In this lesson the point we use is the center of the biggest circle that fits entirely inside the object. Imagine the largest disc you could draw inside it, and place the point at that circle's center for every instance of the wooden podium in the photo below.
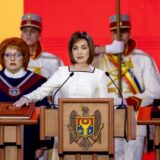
(125, 123)
(11, 136)
(85, 128)
(144, 118)
(57, 122)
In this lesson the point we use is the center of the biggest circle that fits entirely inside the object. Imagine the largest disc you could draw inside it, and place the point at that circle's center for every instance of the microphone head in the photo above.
(107, 74)
(71, 74)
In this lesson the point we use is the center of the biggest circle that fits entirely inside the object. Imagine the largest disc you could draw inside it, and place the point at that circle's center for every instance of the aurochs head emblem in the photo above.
(84, 126)
(85, 130)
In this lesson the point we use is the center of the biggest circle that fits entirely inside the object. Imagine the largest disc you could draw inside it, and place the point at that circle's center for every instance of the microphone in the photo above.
(122, 105)
(54, 105)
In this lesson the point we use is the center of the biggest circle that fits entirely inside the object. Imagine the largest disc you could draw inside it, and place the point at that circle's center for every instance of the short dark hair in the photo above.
(76, 37)
(20, 45)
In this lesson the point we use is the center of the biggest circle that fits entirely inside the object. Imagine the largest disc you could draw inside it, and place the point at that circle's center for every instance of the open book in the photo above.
(7, 111)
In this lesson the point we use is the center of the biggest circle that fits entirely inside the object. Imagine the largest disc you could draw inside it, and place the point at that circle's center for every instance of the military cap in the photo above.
(31, 20)
(124, 22)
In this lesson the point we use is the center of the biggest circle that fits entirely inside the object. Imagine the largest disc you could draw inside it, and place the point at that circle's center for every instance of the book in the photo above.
(134, 101)
(8, 111)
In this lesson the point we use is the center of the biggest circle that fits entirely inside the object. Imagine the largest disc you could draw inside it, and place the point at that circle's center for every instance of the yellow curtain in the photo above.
(10, 18)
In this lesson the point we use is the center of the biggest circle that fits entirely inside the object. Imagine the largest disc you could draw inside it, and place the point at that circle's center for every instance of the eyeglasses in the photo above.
(17, 55)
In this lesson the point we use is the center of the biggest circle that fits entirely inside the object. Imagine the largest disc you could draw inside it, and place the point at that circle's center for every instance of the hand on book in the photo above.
(11, 107)
(22, 101)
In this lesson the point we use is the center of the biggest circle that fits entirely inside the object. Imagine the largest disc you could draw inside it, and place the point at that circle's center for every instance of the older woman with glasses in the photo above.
(16, 81)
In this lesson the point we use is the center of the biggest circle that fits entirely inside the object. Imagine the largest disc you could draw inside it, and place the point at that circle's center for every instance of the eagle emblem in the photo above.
(85, 129)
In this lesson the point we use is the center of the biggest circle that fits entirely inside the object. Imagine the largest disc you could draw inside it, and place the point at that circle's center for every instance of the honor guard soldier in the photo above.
(140, 79)
(41, 62)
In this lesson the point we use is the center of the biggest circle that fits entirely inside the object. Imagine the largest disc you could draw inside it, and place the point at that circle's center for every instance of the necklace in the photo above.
(15, 90)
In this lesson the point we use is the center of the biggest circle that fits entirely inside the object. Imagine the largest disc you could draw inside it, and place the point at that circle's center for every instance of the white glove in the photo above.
(22, 101)
(100, 50)
(115, 47)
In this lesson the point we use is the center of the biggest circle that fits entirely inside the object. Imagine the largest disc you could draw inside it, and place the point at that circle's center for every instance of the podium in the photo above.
(144, 118)
(125, 123)
(71, 140)
(85, 128)
(11, 136)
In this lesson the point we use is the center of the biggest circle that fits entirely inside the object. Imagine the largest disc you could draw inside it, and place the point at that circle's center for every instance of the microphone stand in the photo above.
(53, 104)
(122, 105)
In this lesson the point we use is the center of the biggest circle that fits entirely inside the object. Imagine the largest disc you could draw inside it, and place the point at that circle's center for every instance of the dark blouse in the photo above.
(11, 89)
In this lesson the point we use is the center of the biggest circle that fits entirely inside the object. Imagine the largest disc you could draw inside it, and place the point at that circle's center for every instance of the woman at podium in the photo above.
(15, 81)
(79, 80)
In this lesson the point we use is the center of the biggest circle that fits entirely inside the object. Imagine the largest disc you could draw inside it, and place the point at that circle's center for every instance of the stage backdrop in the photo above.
(63, 17)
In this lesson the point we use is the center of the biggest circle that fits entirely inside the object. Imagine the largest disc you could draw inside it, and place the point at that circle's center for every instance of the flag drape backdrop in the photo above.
(62, 17)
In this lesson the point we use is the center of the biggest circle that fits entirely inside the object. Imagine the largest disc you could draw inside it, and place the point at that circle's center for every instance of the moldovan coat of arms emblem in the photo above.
(85, 129)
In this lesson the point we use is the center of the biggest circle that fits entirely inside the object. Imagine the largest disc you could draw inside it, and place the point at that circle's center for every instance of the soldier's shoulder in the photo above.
(37, 76)
(141, 53)
(49, 55)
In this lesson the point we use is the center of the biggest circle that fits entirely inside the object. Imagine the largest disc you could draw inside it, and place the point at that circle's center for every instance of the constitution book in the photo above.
(8, 111)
